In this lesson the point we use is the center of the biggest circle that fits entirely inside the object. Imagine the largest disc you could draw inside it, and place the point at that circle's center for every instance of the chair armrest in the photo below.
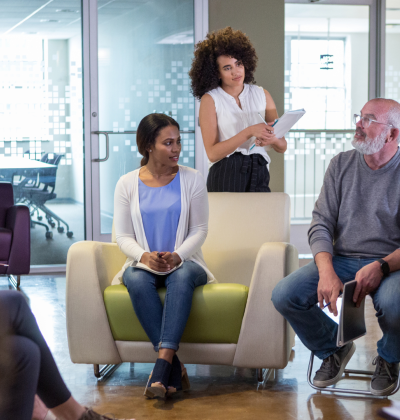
(265, 339)
(18, 220)
(91, 267)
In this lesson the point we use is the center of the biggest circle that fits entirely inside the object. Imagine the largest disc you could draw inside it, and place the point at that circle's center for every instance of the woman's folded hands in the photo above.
(161, 261)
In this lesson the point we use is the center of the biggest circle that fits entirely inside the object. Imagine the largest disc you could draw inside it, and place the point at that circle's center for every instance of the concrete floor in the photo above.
(218, 392)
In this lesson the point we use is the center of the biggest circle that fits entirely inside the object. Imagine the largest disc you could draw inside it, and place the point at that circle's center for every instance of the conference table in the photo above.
(11, 166)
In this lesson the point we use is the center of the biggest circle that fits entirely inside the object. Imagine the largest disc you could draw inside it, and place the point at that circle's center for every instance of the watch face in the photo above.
(385, 268)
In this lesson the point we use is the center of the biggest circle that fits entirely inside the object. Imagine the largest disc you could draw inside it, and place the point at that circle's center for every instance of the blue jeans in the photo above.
(164, 326)
(295, 297)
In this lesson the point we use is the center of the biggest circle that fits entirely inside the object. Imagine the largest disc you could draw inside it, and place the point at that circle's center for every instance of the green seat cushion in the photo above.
(216, 314)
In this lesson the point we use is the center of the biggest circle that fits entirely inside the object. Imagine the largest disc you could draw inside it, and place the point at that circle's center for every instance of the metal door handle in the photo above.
(106, 133)
(107, 146)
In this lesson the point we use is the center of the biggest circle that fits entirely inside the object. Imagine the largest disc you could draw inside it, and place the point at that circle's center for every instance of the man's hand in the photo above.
(368, 279)
(154, 262)
(329, 289)
(329, 285)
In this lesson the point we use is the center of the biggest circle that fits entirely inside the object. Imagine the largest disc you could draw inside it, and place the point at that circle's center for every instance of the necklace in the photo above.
(157, 174)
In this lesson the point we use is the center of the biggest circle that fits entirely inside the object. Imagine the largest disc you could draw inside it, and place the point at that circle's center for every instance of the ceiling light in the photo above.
(67, 11)
(185, 37)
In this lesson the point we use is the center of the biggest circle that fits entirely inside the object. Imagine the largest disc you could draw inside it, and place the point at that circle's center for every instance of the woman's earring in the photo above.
(150, 150)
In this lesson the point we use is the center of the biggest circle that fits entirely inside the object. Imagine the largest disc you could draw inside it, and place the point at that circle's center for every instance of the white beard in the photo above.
(369, 146)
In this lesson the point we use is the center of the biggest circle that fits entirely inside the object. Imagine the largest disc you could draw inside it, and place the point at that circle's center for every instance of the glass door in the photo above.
(41, 115)
(143, 56)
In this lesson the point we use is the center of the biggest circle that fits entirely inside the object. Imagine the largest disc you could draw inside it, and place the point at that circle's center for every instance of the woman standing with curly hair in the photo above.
(222, 77)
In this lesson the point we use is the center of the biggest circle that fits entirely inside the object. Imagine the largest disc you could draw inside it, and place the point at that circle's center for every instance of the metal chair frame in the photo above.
(345, 390)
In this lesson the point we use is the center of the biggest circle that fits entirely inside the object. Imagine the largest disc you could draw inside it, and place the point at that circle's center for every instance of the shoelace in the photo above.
(329, 363)
(381, 364)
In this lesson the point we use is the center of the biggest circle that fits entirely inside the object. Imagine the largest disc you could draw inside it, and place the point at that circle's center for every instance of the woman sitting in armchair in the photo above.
(161, 222)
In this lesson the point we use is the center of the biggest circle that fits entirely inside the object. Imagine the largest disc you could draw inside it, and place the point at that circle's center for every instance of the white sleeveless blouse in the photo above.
(232, 119)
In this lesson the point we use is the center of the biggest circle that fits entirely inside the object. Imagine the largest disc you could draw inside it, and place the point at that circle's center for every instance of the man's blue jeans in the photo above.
(164, 326)
(295, 297)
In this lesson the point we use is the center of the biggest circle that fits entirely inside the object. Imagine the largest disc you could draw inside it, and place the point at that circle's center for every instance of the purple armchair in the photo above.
(15, 236)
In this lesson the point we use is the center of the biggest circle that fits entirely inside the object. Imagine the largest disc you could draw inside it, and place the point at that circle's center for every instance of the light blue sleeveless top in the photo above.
(161, 209)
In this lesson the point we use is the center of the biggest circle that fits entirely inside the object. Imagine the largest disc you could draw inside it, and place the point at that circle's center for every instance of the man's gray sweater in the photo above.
(357, 212)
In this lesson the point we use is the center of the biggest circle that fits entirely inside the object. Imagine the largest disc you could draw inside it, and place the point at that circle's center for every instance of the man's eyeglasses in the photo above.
(366, 122)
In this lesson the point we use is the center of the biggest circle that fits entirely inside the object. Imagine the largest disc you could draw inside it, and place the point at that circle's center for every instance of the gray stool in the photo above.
(344, 390)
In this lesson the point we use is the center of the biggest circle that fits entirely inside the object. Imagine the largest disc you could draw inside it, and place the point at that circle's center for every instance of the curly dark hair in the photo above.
(205, 73)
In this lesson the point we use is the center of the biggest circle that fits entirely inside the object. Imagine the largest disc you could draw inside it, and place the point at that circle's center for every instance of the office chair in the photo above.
(15, 239)
(43, 191)
(30, 179)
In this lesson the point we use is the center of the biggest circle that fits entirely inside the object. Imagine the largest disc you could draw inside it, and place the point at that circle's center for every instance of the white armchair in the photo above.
(247, 244)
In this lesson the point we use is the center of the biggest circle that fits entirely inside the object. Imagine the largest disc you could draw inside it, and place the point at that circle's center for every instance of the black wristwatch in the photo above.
(384, 267)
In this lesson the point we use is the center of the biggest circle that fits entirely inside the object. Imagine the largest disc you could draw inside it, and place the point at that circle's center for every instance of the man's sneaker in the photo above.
(332, 367)
(385, 378)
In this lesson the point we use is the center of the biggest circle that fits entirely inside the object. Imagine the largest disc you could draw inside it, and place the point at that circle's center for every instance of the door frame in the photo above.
(91, 117)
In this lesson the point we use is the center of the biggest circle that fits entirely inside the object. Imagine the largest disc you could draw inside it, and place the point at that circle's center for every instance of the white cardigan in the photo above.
(193, 222)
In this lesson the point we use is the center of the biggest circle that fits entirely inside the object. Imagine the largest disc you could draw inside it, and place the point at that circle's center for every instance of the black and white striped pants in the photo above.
(239, 173)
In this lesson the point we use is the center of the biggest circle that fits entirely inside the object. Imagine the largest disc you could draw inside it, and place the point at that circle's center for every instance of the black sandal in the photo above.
(179, 380)
(158, 380)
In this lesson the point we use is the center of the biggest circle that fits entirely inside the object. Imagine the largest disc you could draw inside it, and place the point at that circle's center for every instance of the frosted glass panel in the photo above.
(392, 73)
(41, 120)
(145, 51)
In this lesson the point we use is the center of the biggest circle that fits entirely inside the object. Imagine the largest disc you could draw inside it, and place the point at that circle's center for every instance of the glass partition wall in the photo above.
(392, 58)
(41, 137)
(326, 73)
(70, 69)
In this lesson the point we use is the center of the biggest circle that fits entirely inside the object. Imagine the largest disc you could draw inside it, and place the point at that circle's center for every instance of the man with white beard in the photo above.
(354, 234)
